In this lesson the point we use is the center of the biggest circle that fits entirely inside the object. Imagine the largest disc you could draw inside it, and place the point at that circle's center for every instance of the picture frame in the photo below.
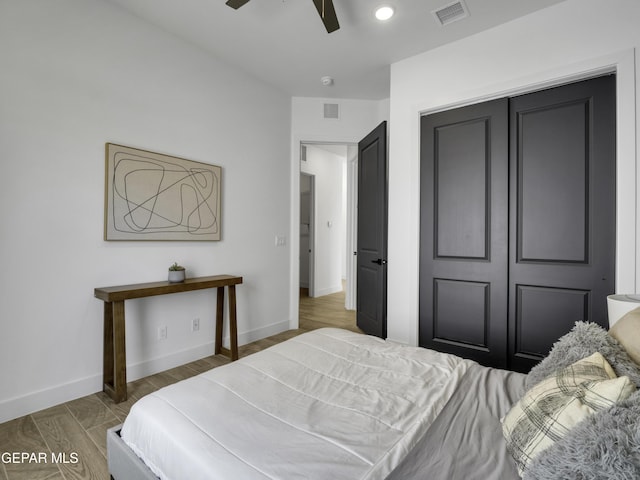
(152, 196)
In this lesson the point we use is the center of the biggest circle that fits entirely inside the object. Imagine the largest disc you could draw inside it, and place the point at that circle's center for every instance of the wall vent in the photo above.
(451, 12)
(331, 110)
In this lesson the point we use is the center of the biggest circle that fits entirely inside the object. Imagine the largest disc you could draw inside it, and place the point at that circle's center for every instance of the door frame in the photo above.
(352, 227)
(351, 205)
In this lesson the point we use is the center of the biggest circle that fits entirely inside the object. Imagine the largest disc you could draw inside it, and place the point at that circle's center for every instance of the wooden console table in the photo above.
(114, 356)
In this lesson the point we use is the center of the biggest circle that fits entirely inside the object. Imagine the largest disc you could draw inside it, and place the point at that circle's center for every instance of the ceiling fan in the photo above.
(325, 10)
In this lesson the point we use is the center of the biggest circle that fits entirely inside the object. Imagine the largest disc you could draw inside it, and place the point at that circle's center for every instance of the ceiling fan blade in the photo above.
(236, 3)
(327, 14)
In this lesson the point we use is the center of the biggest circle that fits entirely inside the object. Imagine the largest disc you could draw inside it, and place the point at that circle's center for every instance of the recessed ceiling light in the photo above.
(384, 12)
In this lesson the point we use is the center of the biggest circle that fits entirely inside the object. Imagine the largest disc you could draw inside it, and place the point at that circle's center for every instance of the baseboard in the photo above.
(175, 359)
(327, 291)
(33, 402)
(262, 332)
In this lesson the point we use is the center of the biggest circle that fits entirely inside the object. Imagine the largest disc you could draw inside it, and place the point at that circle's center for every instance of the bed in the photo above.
(329, 404)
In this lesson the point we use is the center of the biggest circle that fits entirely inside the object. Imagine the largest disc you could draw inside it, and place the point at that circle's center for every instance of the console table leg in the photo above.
(219, 318)
(233, 325)
(119, 351)
(107, 352)
(114, 358)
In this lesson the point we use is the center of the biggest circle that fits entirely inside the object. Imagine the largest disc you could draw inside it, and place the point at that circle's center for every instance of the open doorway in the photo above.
(307, 223)
(328, 176)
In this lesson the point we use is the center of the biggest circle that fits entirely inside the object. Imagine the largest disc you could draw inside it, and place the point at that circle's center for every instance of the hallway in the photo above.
(325, 311)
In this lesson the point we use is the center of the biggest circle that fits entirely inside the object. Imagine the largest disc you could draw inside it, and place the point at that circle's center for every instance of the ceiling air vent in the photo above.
(451, 12)
(331, 110)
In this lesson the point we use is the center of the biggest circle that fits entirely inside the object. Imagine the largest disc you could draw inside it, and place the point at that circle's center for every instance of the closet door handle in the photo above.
(379, 261)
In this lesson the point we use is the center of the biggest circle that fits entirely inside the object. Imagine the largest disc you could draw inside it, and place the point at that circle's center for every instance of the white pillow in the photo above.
(627, 332)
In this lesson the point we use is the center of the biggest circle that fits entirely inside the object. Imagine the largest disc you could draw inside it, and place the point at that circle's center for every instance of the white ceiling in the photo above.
(284, 42)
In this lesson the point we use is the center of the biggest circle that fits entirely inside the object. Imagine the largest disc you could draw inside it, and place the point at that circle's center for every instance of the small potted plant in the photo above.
(176, 273)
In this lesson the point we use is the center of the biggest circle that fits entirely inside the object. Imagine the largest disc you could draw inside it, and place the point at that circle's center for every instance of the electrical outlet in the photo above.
(195, 325)
(162, 333)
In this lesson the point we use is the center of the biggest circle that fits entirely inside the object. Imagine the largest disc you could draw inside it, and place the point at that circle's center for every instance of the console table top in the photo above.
(140, 290)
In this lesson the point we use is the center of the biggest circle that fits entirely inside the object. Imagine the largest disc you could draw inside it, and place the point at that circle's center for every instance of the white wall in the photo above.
(357, 119)
(329, 219)
(74, 75)
(568, 41)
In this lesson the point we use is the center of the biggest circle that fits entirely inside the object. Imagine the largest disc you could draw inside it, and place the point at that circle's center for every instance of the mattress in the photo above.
(326, 404)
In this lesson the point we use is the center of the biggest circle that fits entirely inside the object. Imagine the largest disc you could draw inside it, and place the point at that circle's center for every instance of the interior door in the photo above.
(371, 296)
(464, 232)
(562, 214)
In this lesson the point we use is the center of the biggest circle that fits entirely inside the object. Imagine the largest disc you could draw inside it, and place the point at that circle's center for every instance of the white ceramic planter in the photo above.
(176, 276)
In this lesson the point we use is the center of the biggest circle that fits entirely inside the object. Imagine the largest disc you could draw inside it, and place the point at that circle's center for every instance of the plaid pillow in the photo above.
(552, 407)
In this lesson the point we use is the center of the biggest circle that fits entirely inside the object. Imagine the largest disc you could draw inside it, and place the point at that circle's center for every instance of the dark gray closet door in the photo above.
(463, 217)
(562, 214)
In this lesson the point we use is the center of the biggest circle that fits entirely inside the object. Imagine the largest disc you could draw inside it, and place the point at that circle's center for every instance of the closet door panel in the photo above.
(544, 313)
(460, 189)
(562, 214)
(553, 183)
(463, 209)
(461, 313)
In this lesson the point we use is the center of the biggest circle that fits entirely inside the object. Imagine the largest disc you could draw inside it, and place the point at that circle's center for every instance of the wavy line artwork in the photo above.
(157, 197)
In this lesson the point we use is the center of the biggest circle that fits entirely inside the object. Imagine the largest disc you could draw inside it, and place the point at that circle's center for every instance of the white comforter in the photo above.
(328, 404)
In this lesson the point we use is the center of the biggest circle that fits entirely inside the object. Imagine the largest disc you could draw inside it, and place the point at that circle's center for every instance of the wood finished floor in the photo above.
(80, 426)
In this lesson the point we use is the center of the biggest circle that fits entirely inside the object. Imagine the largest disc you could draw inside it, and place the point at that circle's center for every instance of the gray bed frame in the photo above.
(122, 462)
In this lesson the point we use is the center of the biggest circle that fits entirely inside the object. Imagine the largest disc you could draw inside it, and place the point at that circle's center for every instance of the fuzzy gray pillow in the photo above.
(605, 446)
(583, 340)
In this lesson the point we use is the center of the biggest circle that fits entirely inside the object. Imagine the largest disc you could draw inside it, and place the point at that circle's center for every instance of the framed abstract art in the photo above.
(152, 196)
